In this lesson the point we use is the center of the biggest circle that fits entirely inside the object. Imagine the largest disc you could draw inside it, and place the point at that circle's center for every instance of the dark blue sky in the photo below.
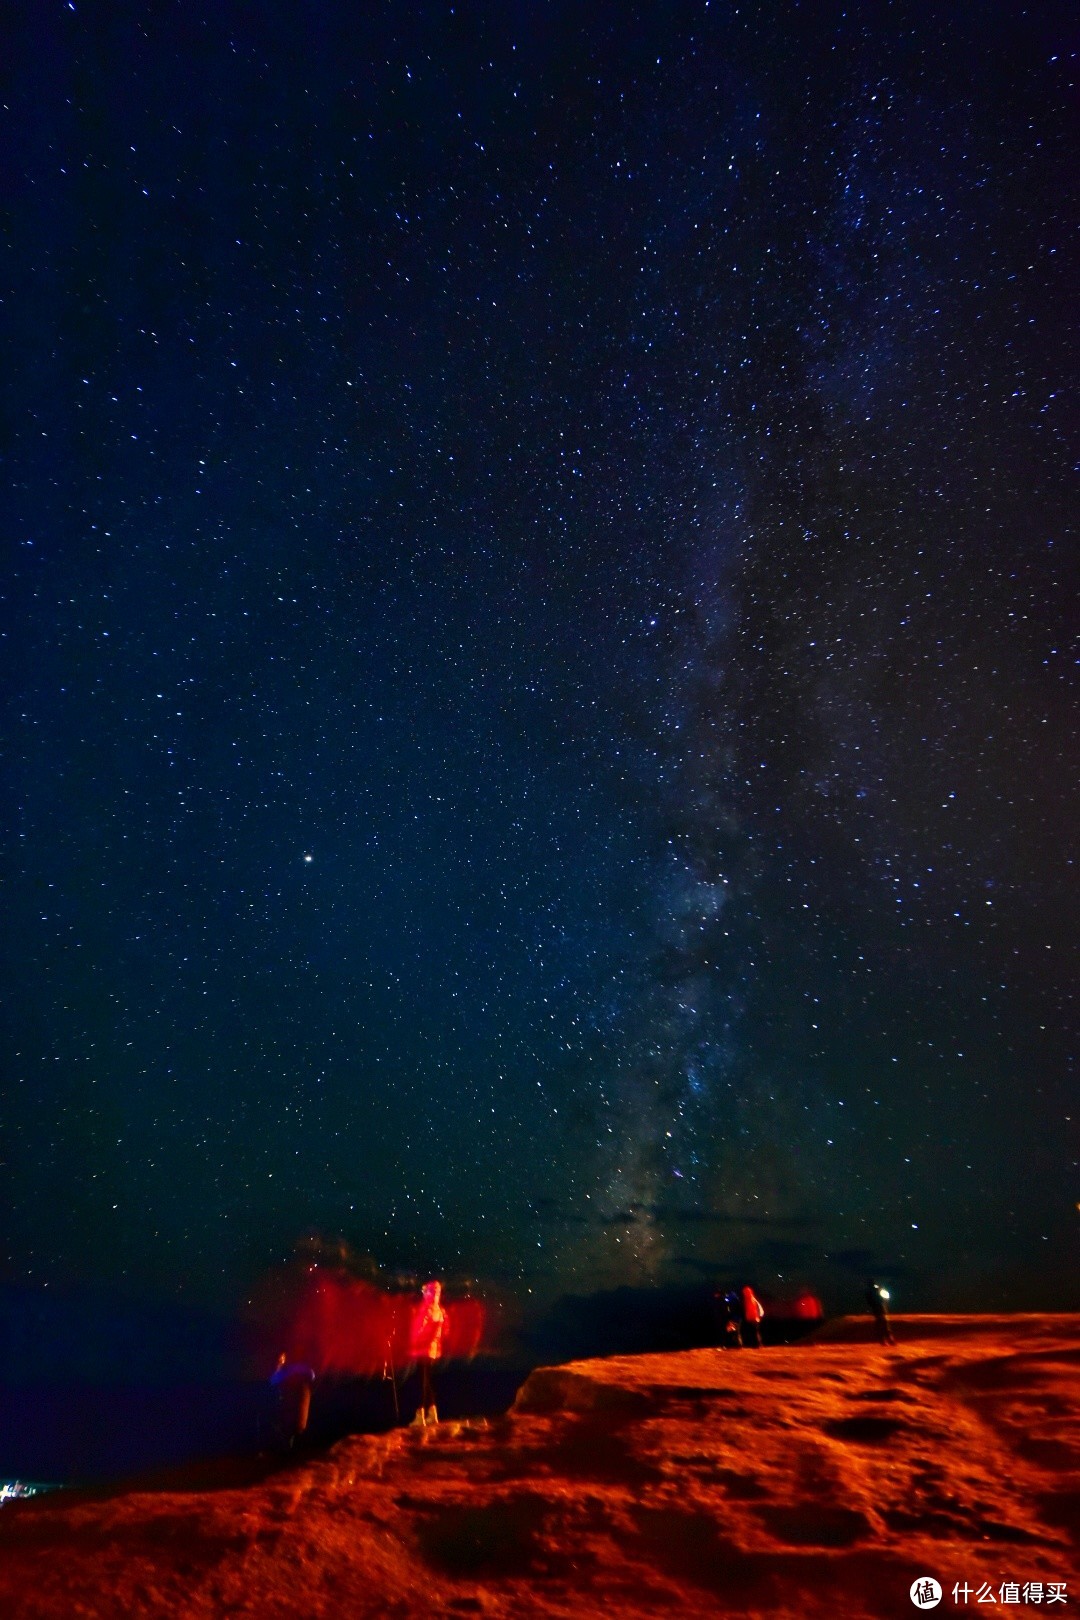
(537, 659)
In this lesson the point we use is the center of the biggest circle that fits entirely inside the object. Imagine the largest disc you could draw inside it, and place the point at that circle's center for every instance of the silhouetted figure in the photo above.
(729, 1311)
(291, 1381)
(877, 1300)
(753, 1314)
(425, 1346)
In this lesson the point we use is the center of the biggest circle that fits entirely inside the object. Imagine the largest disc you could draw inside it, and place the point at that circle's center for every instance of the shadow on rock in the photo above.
(502, 1538)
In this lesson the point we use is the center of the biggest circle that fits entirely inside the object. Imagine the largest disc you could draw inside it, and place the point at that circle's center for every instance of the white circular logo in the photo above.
(925, 1592)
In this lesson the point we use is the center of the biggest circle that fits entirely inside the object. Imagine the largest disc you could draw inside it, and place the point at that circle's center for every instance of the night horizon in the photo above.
(538, 648)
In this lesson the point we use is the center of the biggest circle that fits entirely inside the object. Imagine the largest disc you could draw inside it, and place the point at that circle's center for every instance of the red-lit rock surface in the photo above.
(817, 1480)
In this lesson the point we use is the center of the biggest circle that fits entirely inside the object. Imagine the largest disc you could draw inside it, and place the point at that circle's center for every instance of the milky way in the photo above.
(538, 649)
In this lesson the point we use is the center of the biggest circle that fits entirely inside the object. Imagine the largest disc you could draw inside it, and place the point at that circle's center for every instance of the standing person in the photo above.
(753, 1314)
(426, 1333)
(877, 1299)
(727, 1305)
(291, 1382)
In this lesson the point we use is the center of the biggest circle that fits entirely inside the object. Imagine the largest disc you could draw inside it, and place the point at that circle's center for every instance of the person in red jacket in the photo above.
(426, 1333)
(753, 1314)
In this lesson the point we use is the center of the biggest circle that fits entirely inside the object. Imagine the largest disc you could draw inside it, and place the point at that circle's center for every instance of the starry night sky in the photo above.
(536, 658)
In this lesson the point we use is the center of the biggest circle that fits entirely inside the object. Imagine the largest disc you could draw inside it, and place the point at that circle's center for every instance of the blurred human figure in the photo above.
(729, 1311)
(806, 1307)
(291, 1382)
(753, 1314)
(426, 1332)
(877, 1299)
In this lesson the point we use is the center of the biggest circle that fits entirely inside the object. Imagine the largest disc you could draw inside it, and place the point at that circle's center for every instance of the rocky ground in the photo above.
(820, 1479)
